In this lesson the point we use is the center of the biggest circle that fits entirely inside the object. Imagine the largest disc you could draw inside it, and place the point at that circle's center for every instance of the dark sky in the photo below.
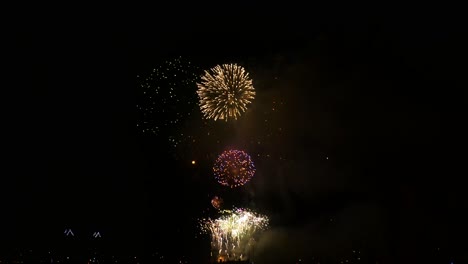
(381, 96)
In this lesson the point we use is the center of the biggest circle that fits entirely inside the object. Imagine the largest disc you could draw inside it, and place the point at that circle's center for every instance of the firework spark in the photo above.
(233, 234)
(225, 92)
(233, 168)
(164, 92)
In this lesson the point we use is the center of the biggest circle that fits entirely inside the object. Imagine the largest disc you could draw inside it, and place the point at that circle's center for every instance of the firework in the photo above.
(233, 235)
(233, 168)
(163, 94)
(217, 202)
(225, 92)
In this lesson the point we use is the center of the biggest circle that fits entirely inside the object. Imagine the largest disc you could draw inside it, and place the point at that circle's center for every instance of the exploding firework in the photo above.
(217, 202)
(225, 92)
(233, 235)
(233, 168)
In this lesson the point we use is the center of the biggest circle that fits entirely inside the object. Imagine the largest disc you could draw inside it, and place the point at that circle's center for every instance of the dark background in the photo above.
(381, 95)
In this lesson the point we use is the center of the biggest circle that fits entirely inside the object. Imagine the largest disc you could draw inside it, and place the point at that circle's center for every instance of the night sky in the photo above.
(357, 134)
